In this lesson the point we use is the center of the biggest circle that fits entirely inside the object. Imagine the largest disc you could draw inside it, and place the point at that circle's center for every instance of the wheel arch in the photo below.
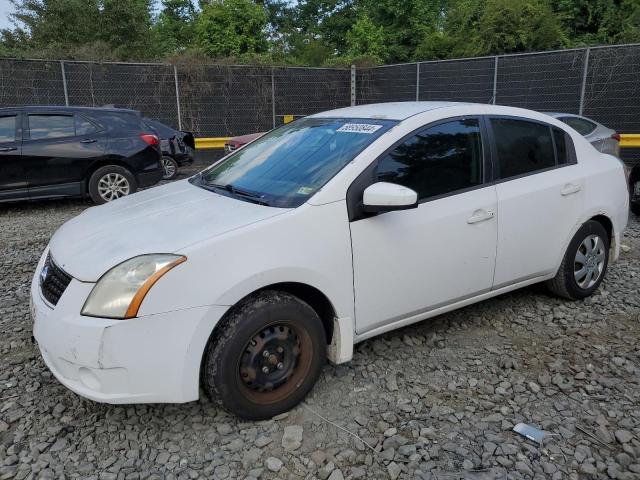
(105, 163)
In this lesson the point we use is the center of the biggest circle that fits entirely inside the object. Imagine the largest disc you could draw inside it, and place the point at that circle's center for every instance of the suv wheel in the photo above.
(584, 264)
(110, 183)
(635, 197)
(170, 167)
(266, 357)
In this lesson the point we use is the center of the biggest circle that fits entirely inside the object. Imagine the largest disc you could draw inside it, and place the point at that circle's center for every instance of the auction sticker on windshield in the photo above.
(359, 128)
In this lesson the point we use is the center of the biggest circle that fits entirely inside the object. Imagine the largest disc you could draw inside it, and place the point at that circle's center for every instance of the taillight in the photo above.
(150, 139)
(616, 137)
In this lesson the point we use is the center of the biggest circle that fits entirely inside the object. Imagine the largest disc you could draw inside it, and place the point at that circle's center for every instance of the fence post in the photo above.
(585, 71)
(273, 97)
(495, 81)
(418, 82)
(64, 83)
(353, 85)
(175, 79)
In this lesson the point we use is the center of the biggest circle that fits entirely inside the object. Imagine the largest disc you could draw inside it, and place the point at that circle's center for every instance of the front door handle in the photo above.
(8, 149)
(89, 140)
(569, 189)
(480, 216)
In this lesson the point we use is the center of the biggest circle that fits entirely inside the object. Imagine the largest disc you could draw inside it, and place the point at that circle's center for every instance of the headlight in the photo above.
(120, 291)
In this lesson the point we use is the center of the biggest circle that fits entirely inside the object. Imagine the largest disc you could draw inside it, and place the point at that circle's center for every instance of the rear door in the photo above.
(540, 197)
(13, 181)
(58, 149)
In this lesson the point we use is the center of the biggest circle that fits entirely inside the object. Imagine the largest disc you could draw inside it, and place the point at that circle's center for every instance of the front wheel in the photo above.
(265, 356)
(170, 167)
(584, 264)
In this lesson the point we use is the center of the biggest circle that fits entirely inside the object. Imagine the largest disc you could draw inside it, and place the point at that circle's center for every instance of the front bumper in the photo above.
(154, 358)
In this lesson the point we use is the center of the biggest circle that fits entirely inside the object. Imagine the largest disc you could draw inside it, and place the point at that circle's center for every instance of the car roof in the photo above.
(60, 108)
(387, 111)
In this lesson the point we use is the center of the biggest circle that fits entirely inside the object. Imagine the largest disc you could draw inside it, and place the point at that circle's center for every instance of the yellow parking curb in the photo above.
(629, 140)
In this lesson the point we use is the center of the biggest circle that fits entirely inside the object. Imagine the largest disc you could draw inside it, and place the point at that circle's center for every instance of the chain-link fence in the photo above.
(221, 100)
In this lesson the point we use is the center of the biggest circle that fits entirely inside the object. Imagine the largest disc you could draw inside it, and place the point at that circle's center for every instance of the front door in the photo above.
(411, 261)
(13, 181)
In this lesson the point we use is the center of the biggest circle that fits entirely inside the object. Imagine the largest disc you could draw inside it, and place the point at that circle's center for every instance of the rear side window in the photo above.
(84, 126)
(441, 159)
(523, 147)
(580, 125)
(51, 126)
(8, 129)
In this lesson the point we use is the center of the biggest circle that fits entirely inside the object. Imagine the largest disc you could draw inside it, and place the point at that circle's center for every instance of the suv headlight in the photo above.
(120, 291)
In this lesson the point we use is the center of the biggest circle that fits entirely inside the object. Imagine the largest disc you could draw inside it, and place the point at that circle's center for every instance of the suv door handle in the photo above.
(480, 216)
(8, 149)
(569, 189)
(89, 140)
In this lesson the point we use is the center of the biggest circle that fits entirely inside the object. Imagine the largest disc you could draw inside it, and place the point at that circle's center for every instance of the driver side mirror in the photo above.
(386, 197)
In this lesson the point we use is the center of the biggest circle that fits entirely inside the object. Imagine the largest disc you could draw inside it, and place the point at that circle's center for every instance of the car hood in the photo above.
(159, 220)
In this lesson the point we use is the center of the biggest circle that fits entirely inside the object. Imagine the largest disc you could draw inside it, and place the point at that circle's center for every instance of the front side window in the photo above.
(8, 129)
(580, 125)
(51, 126)
(441, 159)
(288, 165)
(522, 146)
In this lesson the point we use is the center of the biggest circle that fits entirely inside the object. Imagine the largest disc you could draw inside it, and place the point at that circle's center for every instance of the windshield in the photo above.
(288, 165)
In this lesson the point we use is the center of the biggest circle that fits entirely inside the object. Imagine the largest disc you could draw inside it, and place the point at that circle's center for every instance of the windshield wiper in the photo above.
(245, 194)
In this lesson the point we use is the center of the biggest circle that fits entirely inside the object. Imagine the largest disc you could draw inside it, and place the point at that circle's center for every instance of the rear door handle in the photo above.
(89, 140)
(569, 189)
(480, 216)
(8, 149)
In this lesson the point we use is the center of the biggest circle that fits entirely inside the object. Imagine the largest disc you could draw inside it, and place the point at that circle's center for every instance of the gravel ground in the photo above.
(436, 400)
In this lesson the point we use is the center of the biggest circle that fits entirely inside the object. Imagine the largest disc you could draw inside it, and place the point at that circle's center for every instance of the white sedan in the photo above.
(329, 230)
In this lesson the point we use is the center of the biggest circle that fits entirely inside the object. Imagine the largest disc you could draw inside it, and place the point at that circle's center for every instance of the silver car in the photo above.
(604, 139)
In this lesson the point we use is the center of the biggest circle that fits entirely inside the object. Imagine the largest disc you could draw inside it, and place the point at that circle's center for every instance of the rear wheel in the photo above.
(170, 167)
(266, 357)
(584, 264)
(635, 196)
(110, 183)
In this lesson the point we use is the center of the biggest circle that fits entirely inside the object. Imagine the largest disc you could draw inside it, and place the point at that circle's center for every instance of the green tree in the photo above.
(175, 26)
(232, 28)
(367, 39)
(508, 26)
(125, 25)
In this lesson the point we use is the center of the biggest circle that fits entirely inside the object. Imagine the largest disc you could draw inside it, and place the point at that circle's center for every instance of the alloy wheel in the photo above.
(589, 262)
(112, 186)
(169, 167)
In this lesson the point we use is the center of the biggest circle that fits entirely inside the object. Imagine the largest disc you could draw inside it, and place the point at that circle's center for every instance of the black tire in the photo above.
(170, 168)
(635, 197)
(565, 284)
(116, 172)
(229, 381)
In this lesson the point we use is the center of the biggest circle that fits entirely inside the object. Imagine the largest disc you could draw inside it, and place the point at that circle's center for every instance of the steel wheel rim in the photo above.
(589, 261)
(112, 186)
(279, 383)
(169, 167)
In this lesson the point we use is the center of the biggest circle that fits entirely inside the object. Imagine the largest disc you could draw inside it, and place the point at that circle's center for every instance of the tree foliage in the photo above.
(312, 32)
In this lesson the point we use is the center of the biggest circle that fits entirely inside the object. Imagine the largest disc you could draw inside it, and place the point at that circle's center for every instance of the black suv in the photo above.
(51, 152)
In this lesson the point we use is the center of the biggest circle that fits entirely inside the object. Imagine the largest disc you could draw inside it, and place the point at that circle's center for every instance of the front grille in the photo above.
(53, 281)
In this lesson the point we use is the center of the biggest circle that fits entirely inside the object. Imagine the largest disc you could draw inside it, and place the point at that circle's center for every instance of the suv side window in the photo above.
(580, 125)
(51, 126)
(84, 126)
(8, 129)
(438, 160)
(522, 146)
